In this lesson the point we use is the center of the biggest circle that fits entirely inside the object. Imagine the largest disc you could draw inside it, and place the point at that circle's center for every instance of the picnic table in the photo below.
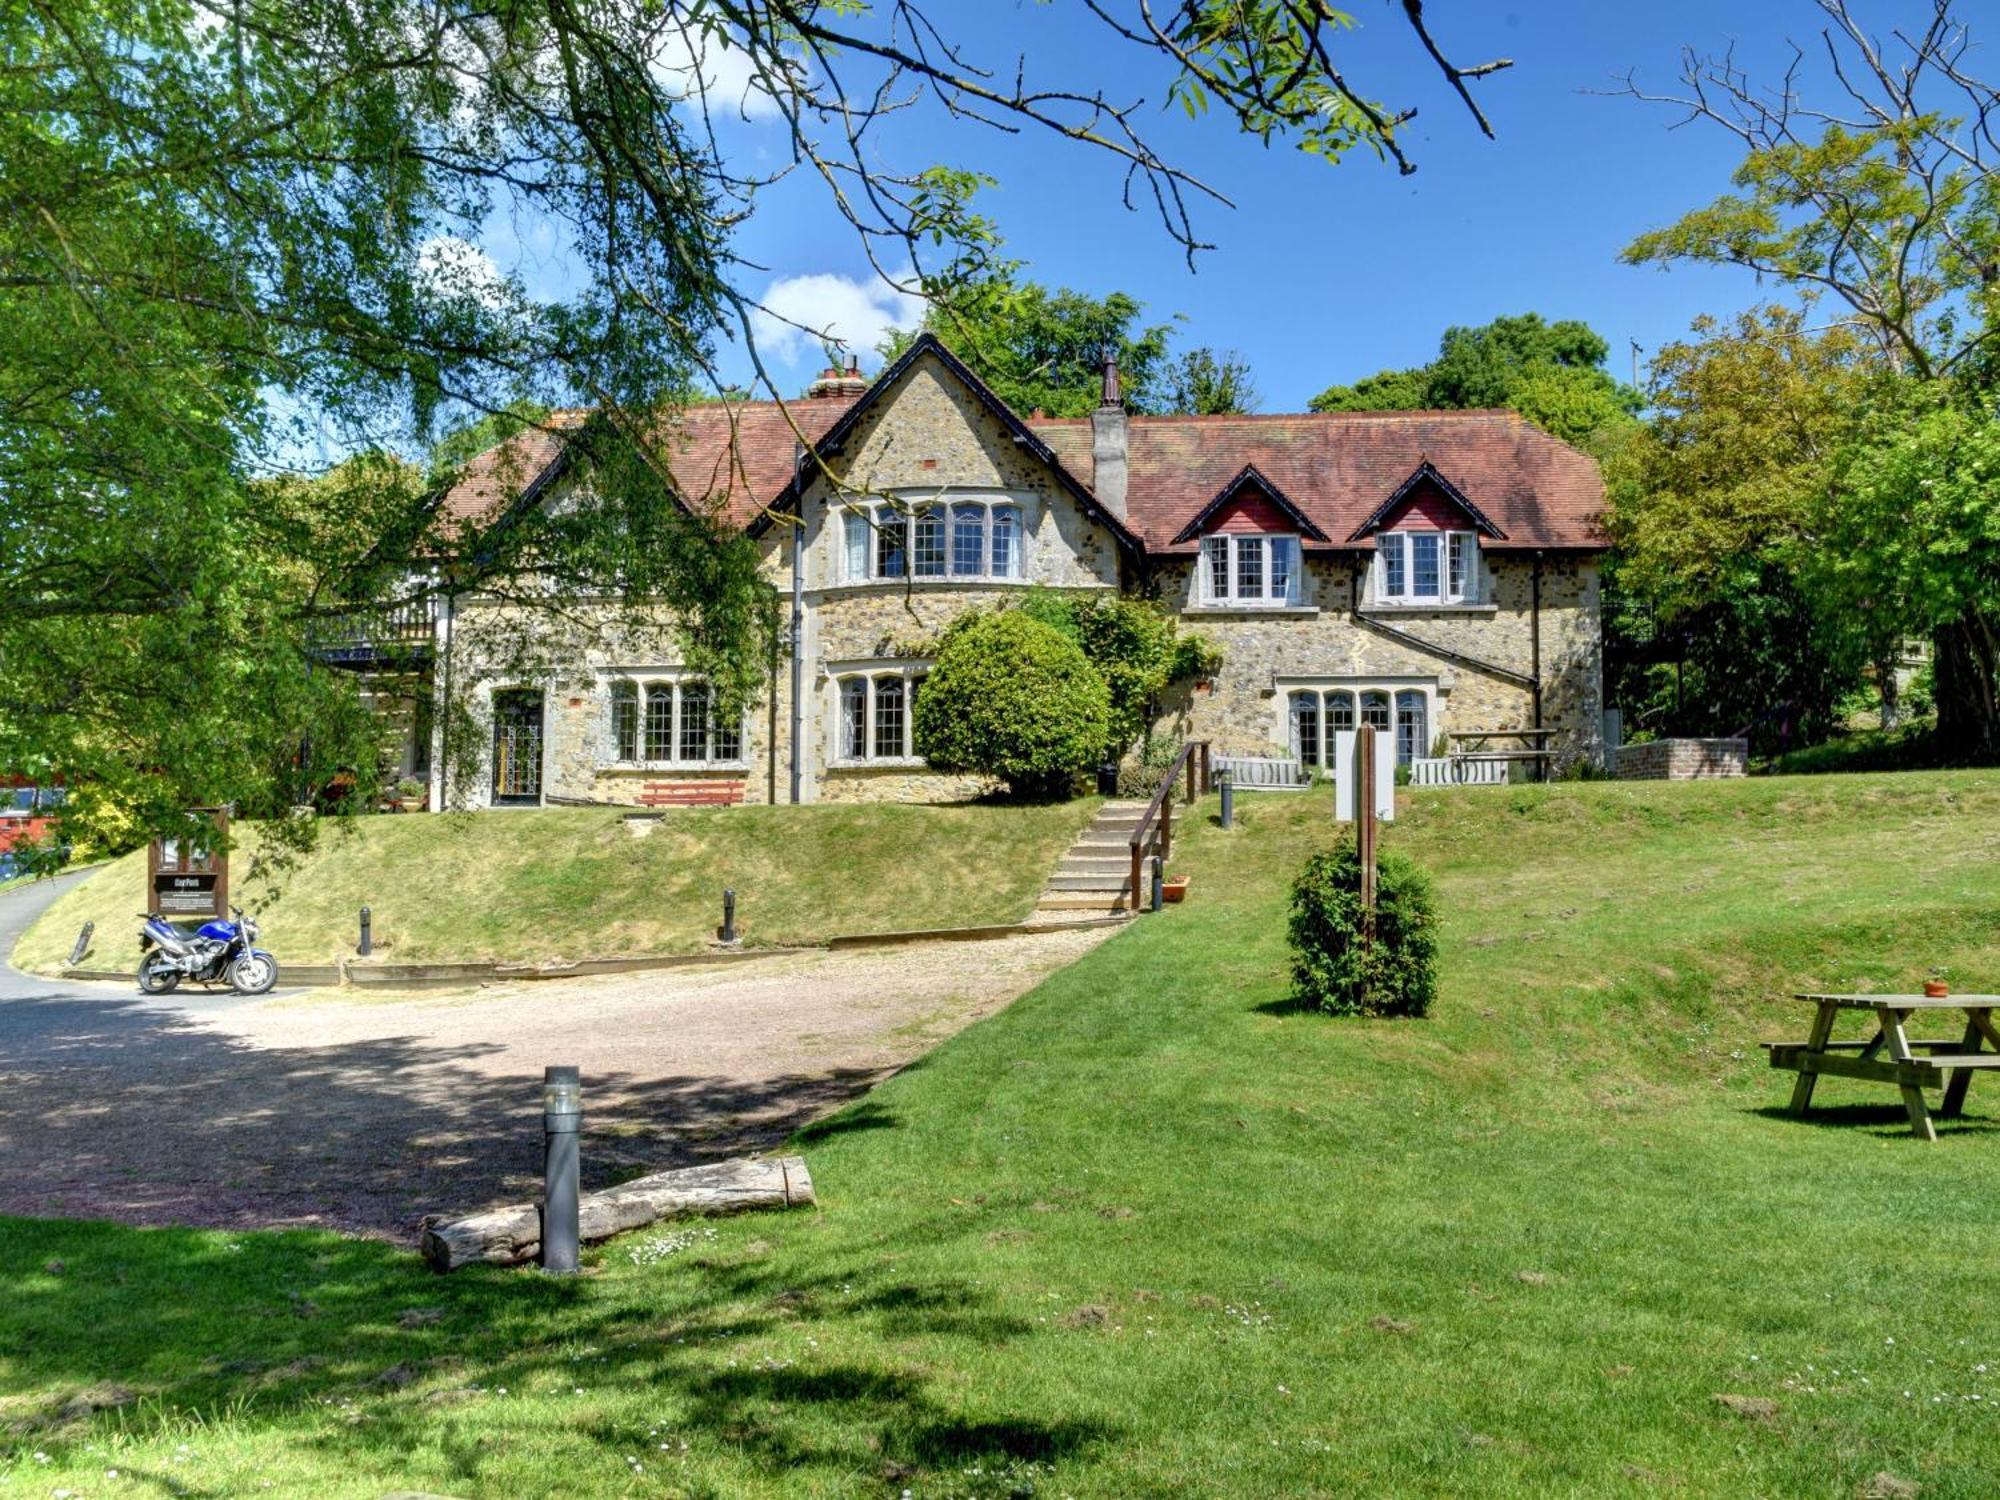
(1471, 747)
(1944, 1064)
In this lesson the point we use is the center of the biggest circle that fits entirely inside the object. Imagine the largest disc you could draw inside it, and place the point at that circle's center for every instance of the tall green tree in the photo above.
(1719, 613)
(1885, 205)
(1552, 373)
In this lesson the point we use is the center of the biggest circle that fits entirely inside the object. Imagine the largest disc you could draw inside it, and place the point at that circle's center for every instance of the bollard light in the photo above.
(1159, 882)
(1228, 785)
(367, 934)
(728, 916)
(562, 1119)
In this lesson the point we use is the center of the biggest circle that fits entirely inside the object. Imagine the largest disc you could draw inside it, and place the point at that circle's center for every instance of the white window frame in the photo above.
(1394, 551)
(646, 682)
(1326, 691)
(1232, 549)
(910, 673)
(879, 523)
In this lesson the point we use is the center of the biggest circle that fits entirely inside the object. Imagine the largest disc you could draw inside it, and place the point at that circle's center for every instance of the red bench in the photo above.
(691, 793)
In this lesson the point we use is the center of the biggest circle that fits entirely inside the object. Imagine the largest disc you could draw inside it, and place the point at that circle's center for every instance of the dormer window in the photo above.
(1249, 571)
(1427, 568)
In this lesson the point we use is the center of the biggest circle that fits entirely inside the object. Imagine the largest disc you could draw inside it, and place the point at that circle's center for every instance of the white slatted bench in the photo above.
(1457, 770)
(1262, 773)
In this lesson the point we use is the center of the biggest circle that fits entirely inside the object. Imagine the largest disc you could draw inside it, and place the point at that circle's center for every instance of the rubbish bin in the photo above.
(1107, 779)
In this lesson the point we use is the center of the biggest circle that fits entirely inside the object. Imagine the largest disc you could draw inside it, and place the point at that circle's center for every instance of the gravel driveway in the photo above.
(364, 1114)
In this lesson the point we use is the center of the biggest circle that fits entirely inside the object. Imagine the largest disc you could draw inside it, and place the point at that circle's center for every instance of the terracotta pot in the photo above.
(1936, 989)
(1174, 889)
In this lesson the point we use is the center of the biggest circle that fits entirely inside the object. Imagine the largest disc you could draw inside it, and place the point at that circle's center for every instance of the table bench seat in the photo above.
(691, 793)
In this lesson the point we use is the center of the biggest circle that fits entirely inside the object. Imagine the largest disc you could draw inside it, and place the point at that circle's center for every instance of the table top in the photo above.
(1909, 1002)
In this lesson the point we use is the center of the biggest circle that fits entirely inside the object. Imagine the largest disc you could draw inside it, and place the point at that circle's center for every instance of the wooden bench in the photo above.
(1262, 773)
(691, 793)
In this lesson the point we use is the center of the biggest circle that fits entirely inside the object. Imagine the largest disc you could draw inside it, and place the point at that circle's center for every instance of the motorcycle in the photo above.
(214, 953)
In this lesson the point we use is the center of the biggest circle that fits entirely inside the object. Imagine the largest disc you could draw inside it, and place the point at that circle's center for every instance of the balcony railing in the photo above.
(397, 634)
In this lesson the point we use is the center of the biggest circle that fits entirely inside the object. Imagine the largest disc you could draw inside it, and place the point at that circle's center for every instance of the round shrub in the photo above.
(1014, 698)
(1396, 975)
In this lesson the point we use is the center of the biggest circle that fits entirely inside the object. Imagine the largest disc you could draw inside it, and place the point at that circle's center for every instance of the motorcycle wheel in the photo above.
(252, 974)
(155, 978)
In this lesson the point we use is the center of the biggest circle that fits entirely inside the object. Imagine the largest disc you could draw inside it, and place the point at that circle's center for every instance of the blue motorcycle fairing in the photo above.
(221, 931)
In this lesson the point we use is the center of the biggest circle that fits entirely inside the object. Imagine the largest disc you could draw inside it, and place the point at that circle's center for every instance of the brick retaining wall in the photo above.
(1683, 760)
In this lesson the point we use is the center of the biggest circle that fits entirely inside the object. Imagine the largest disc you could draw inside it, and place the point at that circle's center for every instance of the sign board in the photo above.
(188, 876)
(1343, 777)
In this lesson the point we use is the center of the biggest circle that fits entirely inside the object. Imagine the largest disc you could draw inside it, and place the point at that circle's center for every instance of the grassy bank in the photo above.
(573, 883)
(1149, 1233)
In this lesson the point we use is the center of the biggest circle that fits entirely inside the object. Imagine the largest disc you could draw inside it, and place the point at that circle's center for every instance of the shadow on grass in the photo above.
(1876, 1119)
(854, 1120)
(274, 1328)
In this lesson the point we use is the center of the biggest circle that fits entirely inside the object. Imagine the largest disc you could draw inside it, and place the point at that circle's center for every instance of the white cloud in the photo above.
(451, 267)
(859, 314)
(692, 63)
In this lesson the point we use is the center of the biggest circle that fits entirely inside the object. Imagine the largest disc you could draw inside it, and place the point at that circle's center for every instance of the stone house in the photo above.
(1419, 571)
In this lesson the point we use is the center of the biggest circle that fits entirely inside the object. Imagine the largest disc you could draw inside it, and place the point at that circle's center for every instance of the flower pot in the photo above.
(1936, 989)
(1174, 889)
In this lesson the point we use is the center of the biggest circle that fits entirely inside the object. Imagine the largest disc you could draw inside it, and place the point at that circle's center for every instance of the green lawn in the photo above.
(573, 883)
(1147, 1233)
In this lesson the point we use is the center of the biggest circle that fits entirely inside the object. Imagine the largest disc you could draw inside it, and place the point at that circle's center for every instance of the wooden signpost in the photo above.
(1364, 824)
(188, 876)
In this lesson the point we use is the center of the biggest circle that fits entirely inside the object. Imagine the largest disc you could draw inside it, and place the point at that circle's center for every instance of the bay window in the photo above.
(1249, 571)
(967, 539)
(1427, 567)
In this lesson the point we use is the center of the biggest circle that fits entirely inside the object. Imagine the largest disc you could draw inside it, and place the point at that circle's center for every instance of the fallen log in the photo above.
(508, 1236)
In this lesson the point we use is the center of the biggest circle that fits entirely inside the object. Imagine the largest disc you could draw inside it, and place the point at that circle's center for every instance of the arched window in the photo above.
(1305, 728)
(1412, 727)
(877, 710)
(659, 721)
(1339, 712)
(1375, 710)
(625, 720)
(854, 718)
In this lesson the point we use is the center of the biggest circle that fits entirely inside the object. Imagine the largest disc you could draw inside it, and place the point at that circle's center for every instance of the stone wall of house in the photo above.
(1684, 760)
(1243, 711)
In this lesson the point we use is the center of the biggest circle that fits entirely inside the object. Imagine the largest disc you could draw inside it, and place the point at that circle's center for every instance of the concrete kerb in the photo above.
(447, 975)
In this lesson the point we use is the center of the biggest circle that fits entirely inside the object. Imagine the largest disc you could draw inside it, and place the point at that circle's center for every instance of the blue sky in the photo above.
(1326, 273)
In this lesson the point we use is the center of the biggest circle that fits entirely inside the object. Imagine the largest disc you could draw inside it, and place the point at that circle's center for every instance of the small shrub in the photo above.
(1396, 975)
(1014, 698)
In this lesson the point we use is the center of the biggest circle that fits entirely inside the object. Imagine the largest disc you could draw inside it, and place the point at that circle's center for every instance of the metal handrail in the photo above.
(1194, 756)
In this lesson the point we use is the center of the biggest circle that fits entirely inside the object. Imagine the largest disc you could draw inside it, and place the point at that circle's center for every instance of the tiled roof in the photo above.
(698, 451)
(1338, 467)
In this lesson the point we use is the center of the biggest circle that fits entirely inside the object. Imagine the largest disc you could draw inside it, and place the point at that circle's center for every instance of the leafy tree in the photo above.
(1012, 697)
(1136, 647)
(1886, 207)
(1717, 605)
(1202, 383)
(1552, 373)
(1044, 350)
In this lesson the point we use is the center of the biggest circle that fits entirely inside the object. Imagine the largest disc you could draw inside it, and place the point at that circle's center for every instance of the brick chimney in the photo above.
(1107, 442)
(836, 382)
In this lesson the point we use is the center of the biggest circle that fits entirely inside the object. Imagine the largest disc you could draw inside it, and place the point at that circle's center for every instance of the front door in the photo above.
(517, 747)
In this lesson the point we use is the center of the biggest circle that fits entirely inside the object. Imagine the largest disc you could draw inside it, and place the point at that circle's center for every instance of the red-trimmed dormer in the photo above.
(1250, 535)
(1427, 537)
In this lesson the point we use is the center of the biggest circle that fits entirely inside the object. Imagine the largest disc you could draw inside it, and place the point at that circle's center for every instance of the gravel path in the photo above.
(363, 1114)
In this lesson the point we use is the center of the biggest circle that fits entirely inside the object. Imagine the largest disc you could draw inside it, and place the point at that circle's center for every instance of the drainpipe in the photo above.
(798, 618)
(441, 711)
(1535, 646)
(771, 733)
